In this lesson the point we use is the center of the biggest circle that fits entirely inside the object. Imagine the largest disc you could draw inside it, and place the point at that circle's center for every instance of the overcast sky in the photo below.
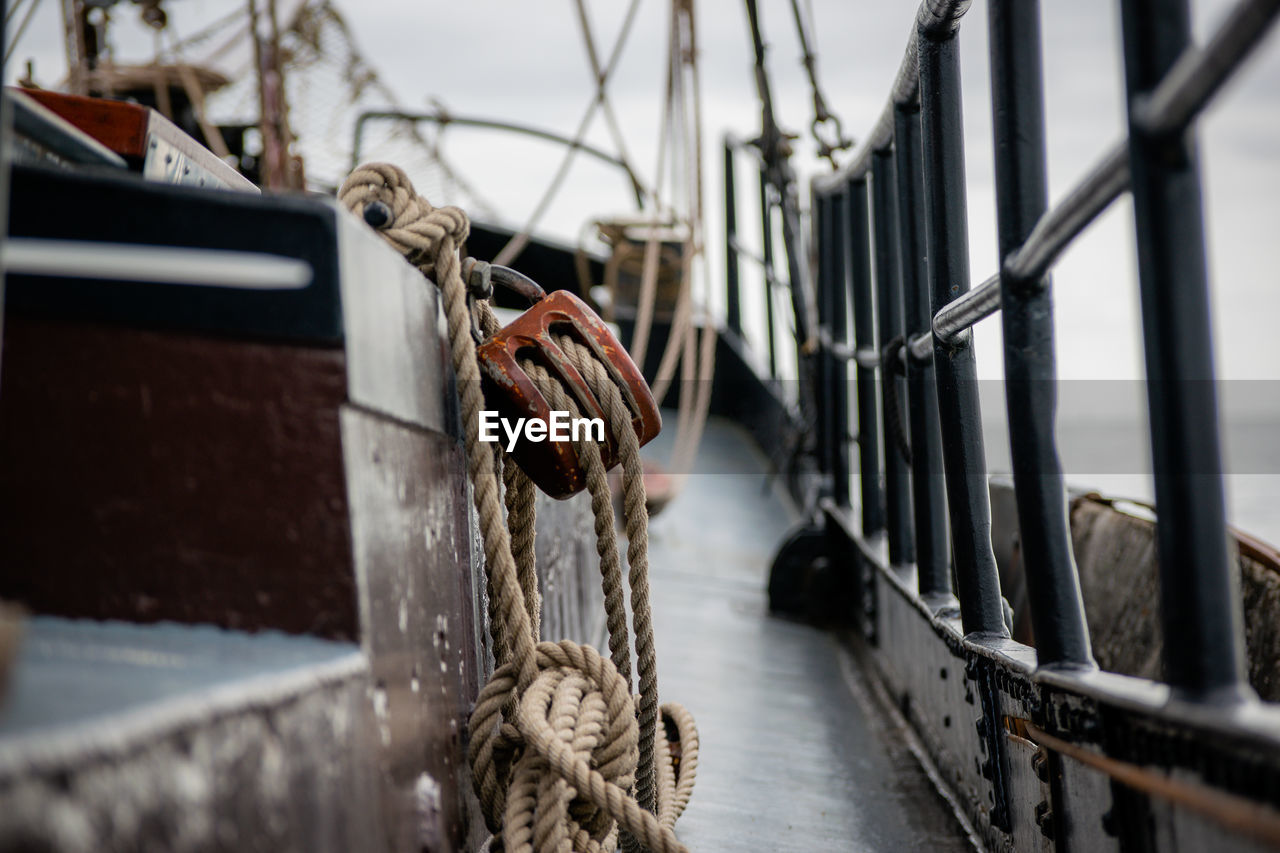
(524, 62)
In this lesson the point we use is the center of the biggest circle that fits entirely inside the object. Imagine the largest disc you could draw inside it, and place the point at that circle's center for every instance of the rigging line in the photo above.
(682, 323)
(774, 152)
(226, 47)
(13, 10)
(22, 29)
(210, 29)
(821, 115)
(238, 35)
(518, 241)
(692, 350)
(606, 105)
(769, 131)
(639, 343)
(213, 136)
(325, 12)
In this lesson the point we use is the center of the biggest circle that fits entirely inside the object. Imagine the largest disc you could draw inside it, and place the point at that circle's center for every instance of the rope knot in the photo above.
(409, 222)
(571, 755)
(562, 756)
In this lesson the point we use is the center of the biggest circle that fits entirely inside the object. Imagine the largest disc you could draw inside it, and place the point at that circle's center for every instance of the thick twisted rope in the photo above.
(560, 756)
(665, 779)
(429, 237)
(637, 532)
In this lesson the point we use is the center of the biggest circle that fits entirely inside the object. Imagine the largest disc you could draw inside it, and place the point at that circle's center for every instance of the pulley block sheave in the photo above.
(509, 390)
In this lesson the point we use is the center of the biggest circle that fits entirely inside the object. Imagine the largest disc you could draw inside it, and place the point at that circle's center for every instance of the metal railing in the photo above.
(444, 119)
(909, 562)
(901, 201)
(735, 251)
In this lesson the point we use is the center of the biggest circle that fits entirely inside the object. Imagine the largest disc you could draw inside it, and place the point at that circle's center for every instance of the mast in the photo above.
(79, 60)
(277, 170)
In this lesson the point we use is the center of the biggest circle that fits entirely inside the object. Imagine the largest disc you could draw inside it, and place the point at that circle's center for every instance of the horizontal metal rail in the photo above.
(1052, 234)
(1188, 86)
(446, 119)
(935, 18)
(916, 219)
(1200, 71)
(748, 147)
(767, 266)
(951, 321)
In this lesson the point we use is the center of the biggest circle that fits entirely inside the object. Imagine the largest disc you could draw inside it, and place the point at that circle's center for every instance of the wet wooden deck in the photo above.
(793, 756)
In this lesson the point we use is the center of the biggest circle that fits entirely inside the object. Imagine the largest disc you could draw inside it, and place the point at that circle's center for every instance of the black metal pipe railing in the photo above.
(864, 335)
(736, 253)
(1198, 73)
(1186, 89)
(825, 361)
(1031, 260)
(1031, 388)
(946, 229)
(766, 261)
(897, 487)
(914, 159)
(938, 18)
(1200, 601)
(733, 308)
(838, 320)
(1052, 233)
(928, 491)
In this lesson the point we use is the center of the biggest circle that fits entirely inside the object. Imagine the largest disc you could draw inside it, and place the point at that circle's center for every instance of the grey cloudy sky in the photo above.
(523, 61)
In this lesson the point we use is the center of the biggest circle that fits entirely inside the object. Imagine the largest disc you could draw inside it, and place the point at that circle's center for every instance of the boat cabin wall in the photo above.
(270, 462)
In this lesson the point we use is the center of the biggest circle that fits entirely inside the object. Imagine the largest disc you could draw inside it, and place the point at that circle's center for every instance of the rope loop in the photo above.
(576, 721)
(415, 228)
(563, 757)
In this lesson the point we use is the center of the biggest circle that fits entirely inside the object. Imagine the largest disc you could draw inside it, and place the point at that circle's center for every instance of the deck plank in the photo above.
(790, 761)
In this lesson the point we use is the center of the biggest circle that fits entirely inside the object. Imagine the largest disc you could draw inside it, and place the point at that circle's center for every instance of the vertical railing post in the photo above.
(838, 324)
(733, 295)
(928, 490)
(946, 228)
(897, 485)
(1200, 602)
(825, 244)
(1031, 391)
(766, 224)
(798, 273)
(864, 334)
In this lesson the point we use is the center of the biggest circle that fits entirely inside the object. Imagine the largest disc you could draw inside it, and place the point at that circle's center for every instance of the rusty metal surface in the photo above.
(419, 600)
(153, 476)
(1114, 545)
(1116, 551)
(554, 465)
(972, 702)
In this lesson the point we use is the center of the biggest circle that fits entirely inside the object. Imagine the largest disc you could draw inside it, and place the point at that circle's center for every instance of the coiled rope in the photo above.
(562, 757)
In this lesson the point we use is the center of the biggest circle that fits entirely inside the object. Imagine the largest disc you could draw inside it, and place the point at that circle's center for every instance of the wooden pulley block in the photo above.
(511, 392)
